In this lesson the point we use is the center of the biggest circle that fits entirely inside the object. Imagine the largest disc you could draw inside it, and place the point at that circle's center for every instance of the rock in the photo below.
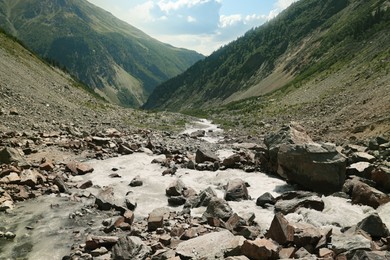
(319, 168)
(231, 161)
(362, 157)
(374, 226)
(130, 247)
(241, 257)
(86, 185)
(280, 230)
(363, 193)
(164, 254)
(175, 188)
(99, 251)
(94, 242)
(9, 155)
(165, 240)
(128, 217)
(381, 175)
(47, 166)
(375, 255)
(302, 253)
(105, 200)
(260, 249)
(62, 187)
(9, 235)
(136, 182)
(77, 168)
(29, 178)
(130, 201)
(210, 246)
(189, 234)
(218, 208)
(361, 169)
(289, 202)
(306, 234)
(236, 190)
(203, 156)
(203, 199)
(291, 134)
(235, 222)
(286, 253)
(177, 200)
(342, 243)
(265, 199)
(155, 221)
(11, 178)
(326, 253)
(198, 133)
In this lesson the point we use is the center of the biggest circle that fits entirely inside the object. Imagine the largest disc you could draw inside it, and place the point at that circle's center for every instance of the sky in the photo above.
(200, 25)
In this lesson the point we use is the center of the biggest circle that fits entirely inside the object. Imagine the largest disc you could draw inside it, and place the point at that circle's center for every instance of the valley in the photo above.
(278, 154)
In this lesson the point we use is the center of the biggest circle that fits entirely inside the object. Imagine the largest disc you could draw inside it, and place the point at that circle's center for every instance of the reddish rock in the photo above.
(286, 253)
(189, 234)
(363, 193)
(280, 230)
(260, 249)
(326, 253)
(47, 166)
(77, 168)
(94, 242)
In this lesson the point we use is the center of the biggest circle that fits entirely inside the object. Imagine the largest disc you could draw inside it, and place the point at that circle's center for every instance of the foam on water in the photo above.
(213, 132)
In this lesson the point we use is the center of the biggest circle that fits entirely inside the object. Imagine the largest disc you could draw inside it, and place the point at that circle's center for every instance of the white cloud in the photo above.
(283, 4)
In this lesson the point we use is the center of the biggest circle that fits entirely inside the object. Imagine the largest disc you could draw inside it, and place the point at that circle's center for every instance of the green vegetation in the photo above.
(309, 38)
(91, 44)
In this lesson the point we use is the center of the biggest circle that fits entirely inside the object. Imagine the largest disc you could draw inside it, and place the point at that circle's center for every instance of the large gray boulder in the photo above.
(218, 208)
(236, 190)
(211, 246)
(291, 134)
(317, 167)
(205, 156)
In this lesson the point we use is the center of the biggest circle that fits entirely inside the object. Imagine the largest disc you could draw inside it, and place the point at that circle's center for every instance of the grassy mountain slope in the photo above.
(115, 59)
(310, 39)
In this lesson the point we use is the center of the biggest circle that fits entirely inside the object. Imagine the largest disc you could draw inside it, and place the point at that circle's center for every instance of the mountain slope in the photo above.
(117, 60)
(308, 38)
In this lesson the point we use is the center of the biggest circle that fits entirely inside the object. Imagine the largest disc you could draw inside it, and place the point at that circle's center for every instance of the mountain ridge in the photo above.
(117, 60)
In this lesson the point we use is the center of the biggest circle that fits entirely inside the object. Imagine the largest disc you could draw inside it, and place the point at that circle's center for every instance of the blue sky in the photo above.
(201, 25)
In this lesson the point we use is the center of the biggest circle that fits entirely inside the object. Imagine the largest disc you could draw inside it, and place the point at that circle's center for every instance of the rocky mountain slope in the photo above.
(116, 60)
(327, 57)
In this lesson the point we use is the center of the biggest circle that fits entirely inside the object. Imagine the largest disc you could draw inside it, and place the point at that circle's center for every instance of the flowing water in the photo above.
(45, 229)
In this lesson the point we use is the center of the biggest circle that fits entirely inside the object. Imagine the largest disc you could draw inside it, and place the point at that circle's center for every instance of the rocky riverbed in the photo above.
(198, 194)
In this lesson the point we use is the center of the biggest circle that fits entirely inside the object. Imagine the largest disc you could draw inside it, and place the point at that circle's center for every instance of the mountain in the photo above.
(310, 40)
(116, 60)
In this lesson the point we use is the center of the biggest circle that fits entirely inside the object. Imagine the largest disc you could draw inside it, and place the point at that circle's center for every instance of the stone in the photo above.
(189, 234)
(317, 167)
(177, 200)
(232, 161)
(361, 169)
(306, 234)
(94, 242)
(105, 200)
(11, 178)
(218, 208)
(165, 240)
(9, 155)
(289, 202)
(62, 187)
(363, 193)
(47, 166)
(362, 157)
(128, 217)
(374, 226)
(203, 156)
(130, 201)
(381, 175)
(280, 230)
(290, 134)
(130, 247)
(374, 255)
(260, 249)
(198, 133)
(203, 199)
(342, 243)
(286, 253)
(77, 168)
(302, 253)
(265, 199)
(136, 182)
(175, 188)
(155, 221)
(210, 246)
(86, 185)
(99, 251)
(29, 178)
(9, 235)
(326, 253)
(236, 190)
(235, 222)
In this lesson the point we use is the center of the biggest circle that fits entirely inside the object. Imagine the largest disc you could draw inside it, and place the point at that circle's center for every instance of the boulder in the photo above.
(198, 133)
(130, 201)
(290, 201)
(361, 169)
(155, 220)
(265, 199)
(203, 199)
(291, 134)
(363, 193)
(210, 246)
(9, 155)
(203, 156)
(130, 247)
(176, 200)
(260, 249)
(105, 200)
(374, 255)
(342, 243)
(218, 208)
(362, 157)
(374, 226)
(306, 234)
(77, 168)
(236, 190)
(29, 178)
(317, 167)
(94, 242)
